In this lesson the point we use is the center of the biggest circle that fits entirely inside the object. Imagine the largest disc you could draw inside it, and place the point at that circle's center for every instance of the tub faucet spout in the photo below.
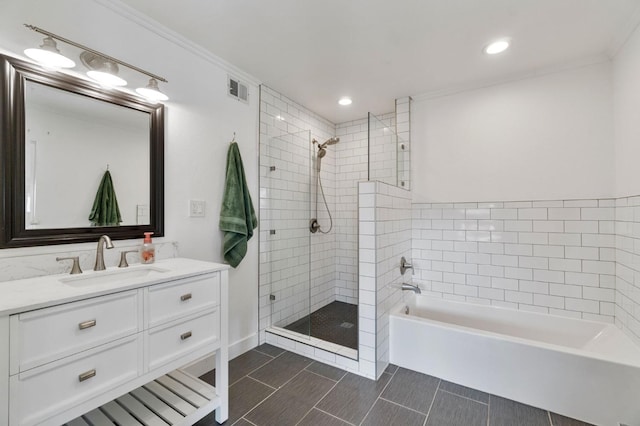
(412, 287)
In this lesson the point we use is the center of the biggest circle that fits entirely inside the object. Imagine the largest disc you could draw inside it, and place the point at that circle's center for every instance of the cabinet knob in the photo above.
(86, 324)
(185, 336)
(185, 297)
(87, 375)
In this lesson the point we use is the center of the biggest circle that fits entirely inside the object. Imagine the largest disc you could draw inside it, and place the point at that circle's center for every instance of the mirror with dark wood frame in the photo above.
(49, 110)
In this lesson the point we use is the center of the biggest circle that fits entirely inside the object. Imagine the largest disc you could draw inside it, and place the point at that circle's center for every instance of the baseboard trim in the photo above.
(208, 363)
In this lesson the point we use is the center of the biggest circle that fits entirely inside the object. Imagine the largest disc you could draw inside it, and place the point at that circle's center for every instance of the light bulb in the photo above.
(152, 91)
(49, 55)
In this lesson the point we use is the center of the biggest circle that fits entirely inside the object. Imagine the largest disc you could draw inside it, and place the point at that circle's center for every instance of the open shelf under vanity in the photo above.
(177, 398)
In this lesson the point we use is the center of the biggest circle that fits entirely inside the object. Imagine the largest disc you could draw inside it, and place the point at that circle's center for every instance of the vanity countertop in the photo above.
(34, 293)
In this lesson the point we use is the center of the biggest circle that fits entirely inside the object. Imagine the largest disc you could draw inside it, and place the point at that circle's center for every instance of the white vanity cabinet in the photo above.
(110, 353)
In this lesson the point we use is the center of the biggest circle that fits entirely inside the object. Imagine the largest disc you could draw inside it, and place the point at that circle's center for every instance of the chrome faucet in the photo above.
(102, 242)
(412, 287)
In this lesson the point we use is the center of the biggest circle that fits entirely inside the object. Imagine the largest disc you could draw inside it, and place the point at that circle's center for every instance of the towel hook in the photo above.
(107, 166)
(234, 137)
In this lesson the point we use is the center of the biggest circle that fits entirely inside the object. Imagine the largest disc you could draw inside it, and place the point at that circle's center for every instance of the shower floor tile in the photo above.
(336, 322)
(287, 389)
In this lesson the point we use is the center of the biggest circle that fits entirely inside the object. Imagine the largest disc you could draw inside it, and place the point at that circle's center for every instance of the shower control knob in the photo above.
(314, 226)
(404, 265)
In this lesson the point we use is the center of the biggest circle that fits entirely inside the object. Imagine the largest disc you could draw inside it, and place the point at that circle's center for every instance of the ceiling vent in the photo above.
(238, 90)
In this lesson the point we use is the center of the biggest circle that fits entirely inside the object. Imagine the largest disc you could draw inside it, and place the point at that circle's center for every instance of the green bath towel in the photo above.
(105, 211)
(237, 217)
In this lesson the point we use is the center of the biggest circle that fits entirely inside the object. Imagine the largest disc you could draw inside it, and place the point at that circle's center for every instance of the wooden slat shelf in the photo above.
(176, 399)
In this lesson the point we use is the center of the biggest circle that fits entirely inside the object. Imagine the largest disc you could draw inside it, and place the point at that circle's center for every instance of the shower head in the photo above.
(330, 141)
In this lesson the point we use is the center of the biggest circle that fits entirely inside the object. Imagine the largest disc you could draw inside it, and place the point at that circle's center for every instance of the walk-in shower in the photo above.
(309, 281)
(314, 225)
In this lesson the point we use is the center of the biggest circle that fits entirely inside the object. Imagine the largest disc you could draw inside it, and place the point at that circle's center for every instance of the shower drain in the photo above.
(346, 325)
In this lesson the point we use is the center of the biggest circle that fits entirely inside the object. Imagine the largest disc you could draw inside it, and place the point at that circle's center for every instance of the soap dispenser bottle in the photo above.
(148, 250)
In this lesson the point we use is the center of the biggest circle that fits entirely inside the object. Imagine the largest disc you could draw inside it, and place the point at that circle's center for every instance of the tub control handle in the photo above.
(404, 265)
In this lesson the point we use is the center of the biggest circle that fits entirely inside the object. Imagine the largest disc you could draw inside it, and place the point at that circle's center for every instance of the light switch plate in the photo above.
(196, 208)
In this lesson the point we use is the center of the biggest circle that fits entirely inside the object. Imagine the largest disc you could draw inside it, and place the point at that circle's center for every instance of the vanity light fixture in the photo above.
(152, 92)
(344, 101)
(49, 55)
(496, 47)
(102, 68)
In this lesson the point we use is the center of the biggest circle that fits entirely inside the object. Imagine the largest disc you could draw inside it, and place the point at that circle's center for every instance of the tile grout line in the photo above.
(258, 381)
(381, 392)
(255, 369)
(264, 353)
(323, 396)
(255, 406)
(489, 411)
(320, 375)
(329, 414)
(248, 421)
(432, 401)
(274, 389)
(403, 406)
(549, 416)
(465, 397)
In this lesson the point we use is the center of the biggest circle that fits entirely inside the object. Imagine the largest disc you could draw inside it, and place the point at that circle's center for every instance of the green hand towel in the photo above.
(237, 217)
(105, 211)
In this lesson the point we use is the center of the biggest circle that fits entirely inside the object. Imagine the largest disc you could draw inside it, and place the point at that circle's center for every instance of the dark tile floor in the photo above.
(336, 322)
(270, 386)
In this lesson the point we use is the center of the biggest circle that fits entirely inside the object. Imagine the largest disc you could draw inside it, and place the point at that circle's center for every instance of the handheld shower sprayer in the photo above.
(314, 226)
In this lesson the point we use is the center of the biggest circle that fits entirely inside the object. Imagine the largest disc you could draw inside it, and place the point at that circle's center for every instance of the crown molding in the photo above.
(510, 78)
(174, 37)
(624, 34)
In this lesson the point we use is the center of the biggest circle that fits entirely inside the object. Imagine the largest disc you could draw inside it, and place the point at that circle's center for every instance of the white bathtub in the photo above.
(581, 369)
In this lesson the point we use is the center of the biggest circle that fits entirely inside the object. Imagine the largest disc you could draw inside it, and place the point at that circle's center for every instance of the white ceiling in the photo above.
(378, 50)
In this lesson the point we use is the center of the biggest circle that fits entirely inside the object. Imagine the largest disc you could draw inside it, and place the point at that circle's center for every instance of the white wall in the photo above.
(200, 121)
(626, 104)
(542, 138)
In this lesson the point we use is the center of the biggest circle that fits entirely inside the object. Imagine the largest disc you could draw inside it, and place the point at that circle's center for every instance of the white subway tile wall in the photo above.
(385, 236)
(554, 257)
(352, 167)
(627, 256)
(293, 262)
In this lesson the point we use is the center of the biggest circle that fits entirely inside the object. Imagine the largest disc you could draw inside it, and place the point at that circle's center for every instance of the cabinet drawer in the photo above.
(45, 335)
(177, 299)
(171, 341)
(41, 392)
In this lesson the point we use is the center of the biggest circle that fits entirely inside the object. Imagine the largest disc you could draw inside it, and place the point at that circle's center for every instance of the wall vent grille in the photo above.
(238, 90)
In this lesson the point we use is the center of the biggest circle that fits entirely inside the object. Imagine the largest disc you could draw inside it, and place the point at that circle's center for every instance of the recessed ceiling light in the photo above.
(345, 101)
(497, 47)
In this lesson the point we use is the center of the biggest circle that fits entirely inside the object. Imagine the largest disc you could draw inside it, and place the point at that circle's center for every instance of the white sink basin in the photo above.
(112, 276)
